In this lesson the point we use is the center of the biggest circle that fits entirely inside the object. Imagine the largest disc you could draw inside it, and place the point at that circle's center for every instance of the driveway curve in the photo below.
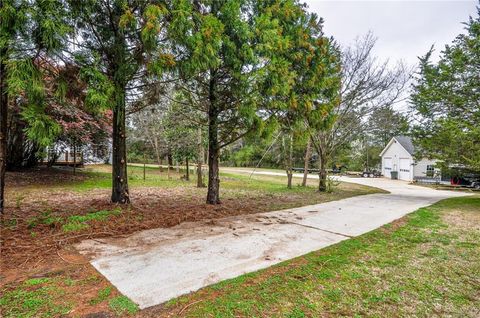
(154, 266)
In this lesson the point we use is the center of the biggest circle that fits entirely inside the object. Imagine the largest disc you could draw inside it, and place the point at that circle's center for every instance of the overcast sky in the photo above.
(405, 29)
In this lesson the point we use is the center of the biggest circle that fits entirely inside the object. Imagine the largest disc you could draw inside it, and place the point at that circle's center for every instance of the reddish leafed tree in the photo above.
(74, 123)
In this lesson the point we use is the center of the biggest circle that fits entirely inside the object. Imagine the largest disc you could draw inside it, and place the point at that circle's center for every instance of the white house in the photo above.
(398, 156)
(86, 154)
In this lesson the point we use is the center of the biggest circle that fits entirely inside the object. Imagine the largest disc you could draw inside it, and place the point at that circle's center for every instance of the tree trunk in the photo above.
(322, 182)
(187, 174)
(74, 158)
(3, 130)
(289, 179)
(289, 159)
(120, 192)
(169, 158)
(144, 167)
(308, 154)
(157, 153)
(200, 183)
(53, 156)
(200, 160)
(17, 146)
(213, 194)
(205, 154)
(168, 169)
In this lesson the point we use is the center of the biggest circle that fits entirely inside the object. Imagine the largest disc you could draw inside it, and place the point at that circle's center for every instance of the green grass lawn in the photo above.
(99, 177)
(426, 264)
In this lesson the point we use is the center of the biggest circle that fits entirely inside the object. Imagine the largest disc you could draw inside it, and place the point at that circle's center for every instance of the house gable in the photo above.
(395, 149)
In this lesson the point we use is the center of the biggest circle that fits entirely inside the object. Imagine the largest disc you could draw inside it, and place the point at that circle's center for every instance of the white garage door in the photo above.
(404, 171)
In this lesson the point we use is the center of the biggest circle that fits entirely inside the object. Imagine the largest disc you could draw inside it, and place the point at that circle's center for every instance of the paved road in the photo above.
(153, 266)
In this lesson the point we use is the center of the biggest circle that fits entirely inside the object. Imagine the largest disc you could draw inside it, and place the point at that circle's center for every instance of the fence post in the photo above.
(144, 165)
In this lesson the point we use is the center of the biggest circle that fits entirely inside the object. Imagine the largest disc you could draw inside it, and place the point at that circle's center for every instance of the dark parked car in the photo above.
(468, 180)
(473, 181)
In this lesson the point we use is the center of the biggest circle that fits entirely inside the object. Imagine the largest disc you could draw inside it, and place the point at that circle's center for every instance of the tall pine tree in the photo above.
(308, 65)
(116, 45)
(446, 98)
(216, 43)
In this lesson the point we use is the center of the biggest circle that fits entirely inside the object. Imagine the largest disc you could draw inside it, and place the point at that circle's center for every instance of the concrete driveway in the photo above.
(153, 266)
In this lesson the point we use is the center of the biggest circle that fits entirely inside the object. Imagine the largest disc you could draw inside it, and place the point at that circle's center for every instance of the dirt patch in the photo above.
(42, 176)
(392, 227)
(462, 219)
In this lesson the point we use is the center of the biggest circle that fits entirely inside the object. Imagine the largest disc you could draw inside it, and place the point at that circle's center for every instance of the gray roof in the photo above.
(406, 143)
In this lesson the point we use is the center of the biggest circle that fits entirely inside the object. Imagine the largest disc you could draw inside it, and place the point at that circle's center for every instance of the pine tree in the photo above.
(117, 47)
(446, 99)
(216, 45)
(308, 64)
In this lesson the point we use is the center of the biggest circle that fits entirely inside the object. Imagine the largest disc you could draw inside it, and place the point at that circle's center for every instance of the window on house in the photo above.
(430, 170)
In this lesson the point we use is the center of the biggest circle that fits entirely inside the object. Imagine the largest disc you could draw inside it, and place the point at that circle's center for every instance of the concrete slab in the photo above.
(153, 266)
